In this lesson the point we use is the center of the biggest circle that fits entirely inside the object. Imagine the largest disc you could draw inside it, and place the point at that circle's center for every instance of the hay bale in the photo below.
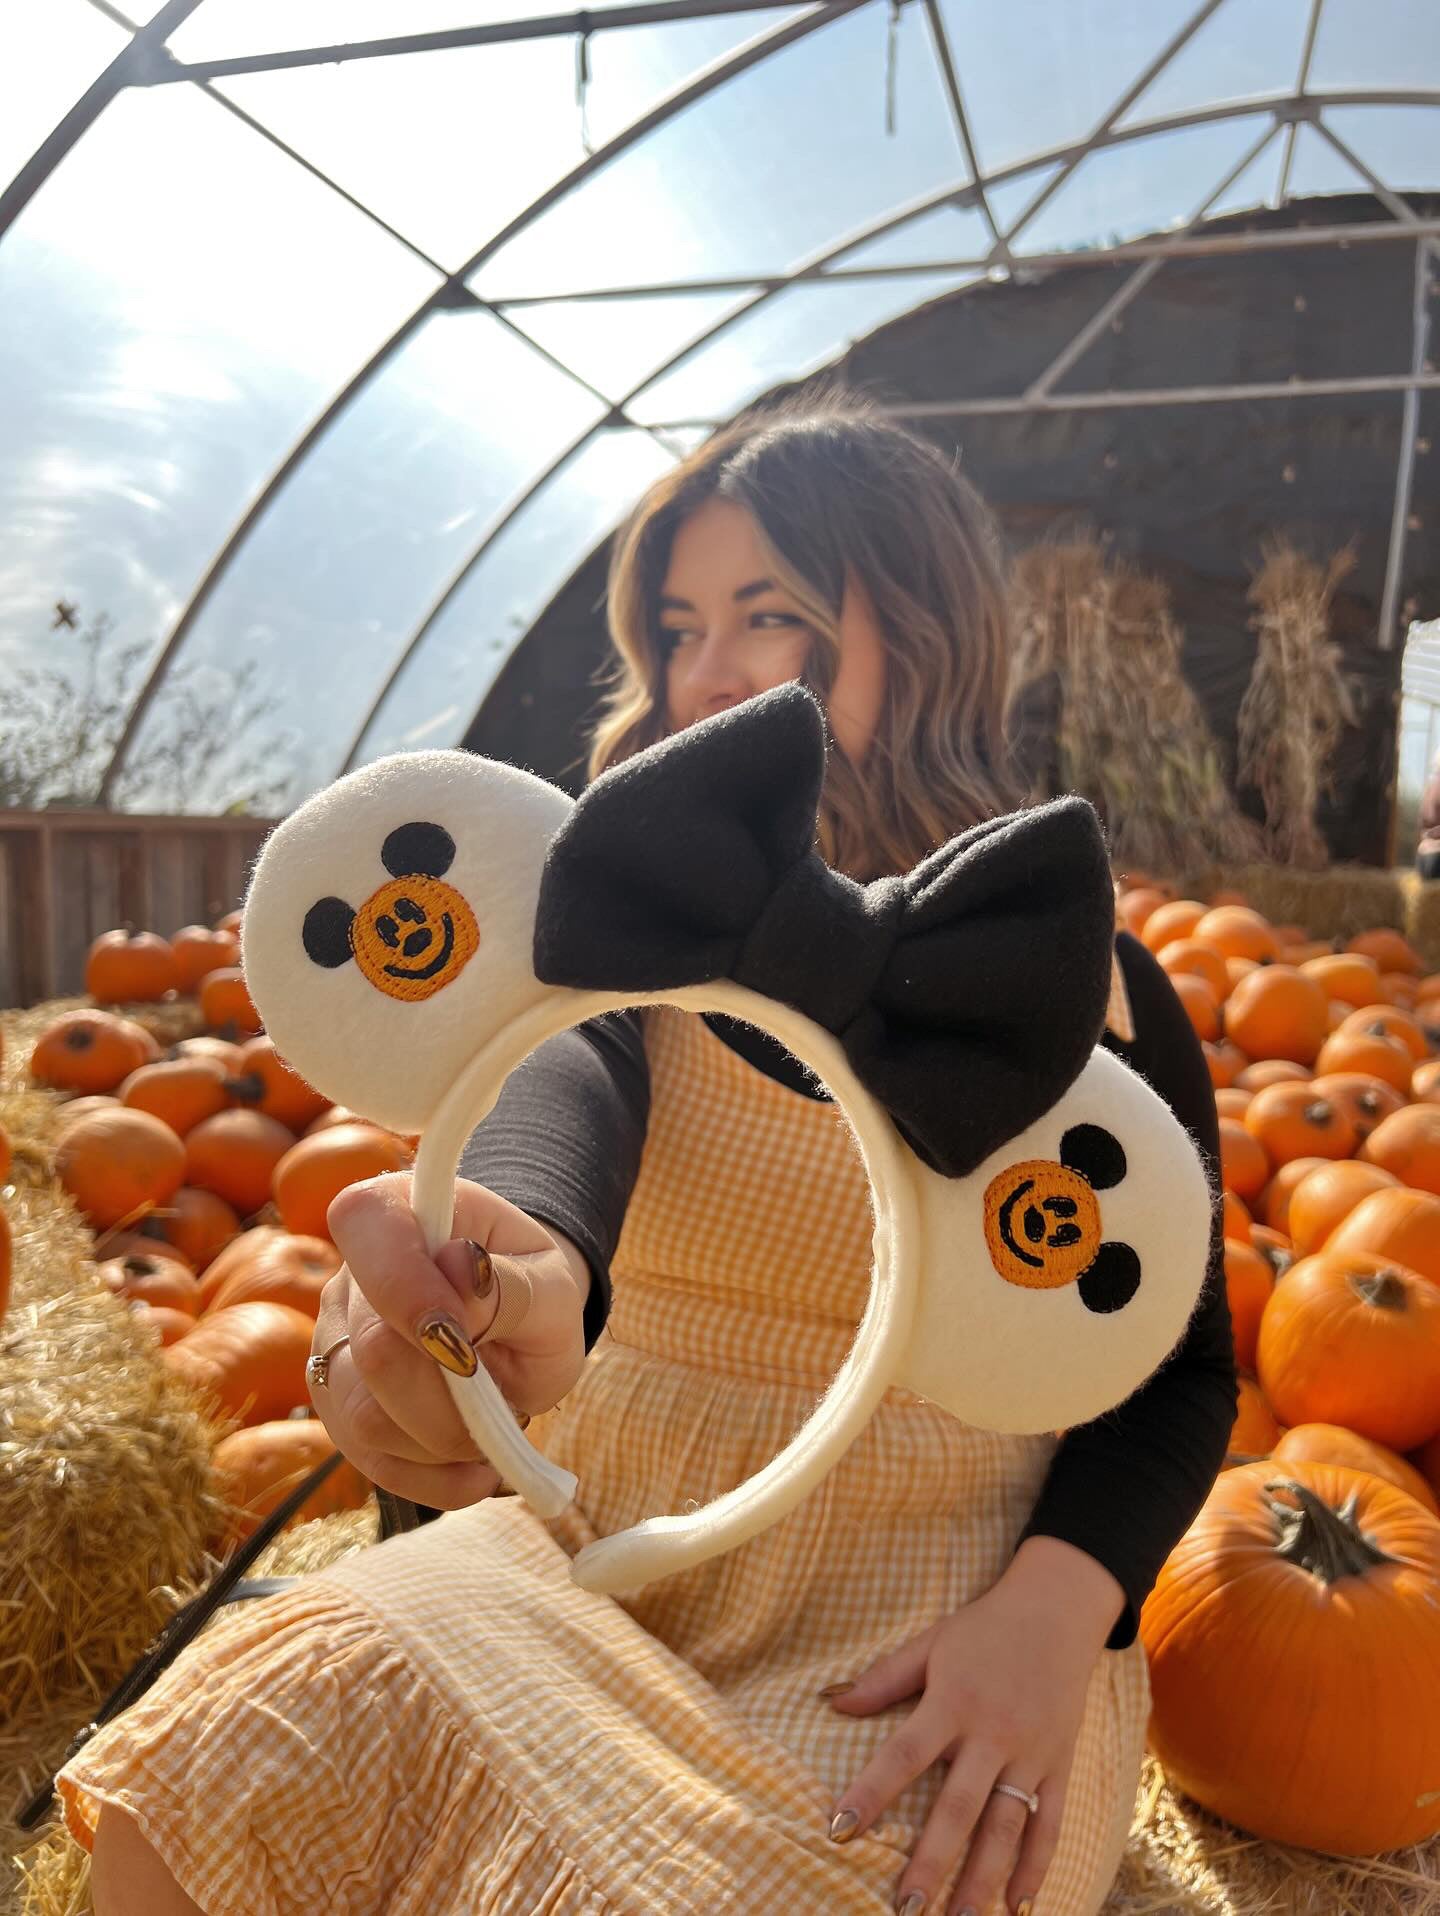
(1335, 903)
(1422, 923)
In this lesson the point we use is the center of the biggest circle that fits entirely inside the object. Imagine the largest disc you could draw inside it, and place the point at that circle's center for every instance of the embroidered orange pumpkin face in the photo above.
(412, 936)
(1043, 1226)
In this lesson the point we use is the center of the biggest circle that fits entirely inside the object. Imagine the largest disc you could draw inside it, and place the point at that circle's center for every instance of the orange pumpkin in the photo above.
(230, 922)
(195, 1223)
(1425, 1081)
(1390, 951)
(1302, 1581)
(317, 1169)
(168, 1324)
(182, 1092)
(1224, 1061)
(1255, 1431)
(198, 951)
(126, 968)
(1274, 1200)
(90, 1051)
(226, 1004)
(1277, 1012)
(1202, 1007)
(293, 1272)
(1364, 1100)
(1353, 1339)
(265, 1249)
(1244, 1167)
(1397, 989)
(1199, 961)
(1379, 1056)
(251, 1359)
(1326, 1197)
(1275, 1247)
(1346, 976)
(1289, 1121)
(234, 1155)
(74, 1108)
(119, 1165)
(1135, 905)
(1398, 1224)
(1267, 1071)
(1238, 932)
(1392, 1022)
(1235, 1219)
(152, 1279)
(265, 1083)
(1176, 918)
(1238, 968)
(256, 1469)
(1407, 1144)
(1303, 951)
(1248, 1284)
(1333, 1444)
(1232, 1102)
(207, 1046)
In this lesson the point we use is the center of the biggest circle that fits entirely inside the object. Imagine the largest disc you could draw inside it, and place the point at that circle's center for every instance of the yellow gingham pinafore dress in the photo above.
(445, 1723)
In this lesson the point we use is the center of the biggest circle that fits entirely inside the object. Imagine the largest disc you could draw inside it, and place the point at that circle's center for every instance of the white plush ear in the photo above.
(1019, 1332)
(389, 926)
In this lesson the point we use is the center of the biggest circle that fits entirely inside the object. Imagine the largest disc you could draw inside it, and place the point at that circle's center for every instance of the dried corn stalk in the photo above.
(1298, 701)
(1132, 737)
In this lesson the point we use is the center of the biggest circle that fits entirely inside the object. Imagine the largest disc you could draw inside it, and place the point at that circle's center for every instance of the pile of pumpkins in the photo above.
(1294, 1635)
(205, 1173)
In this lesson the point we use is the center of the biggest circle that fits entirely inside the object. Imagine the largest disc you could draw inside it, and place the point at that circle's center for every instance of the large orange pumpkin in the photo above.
(199, 951)
(1424, 1081)
(1390, 951)
(168, 1324)
(195, 1223)
(1322, 1201)
(1398, 1224)
(235, 1155)
(1333, 1444)
(1255, 1431)
(1244, 1167)
(318, 1169)
(1364, 1100)
(126, 968)
(257, 1468)
(295, 1271)
(1390, 1021)
(181, 1092)
(1378, 1056)
(91, 1051)
(265, 1249)
(1202, 1007)
(231, 922)
(1135, 905)
(1176, 918)
(1199, 961)
(1351, 1339)
(1347, 976)
(1232, 1102)
(250, 1358)
(226, 1004)
(1248, 1284)
(1236, 1220)
(1277, 1012)
(265, 1083)
(209, 1046)
(1274, 1200)
(1268, 1071)
(1407, 1144)
(1236, 931)
(153, 1279)
(119, 1165)
(1293, 1640)
(1289, 1121)
(1224, 1061)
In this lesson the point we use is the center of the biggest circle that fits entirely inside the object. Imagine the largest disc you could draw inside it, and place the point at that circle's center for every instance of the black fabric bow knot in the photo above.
(968, 995)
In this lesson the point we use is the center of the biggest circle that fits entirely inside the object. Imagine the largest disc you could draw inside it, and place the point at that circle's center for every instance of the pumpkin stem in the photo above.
(79, 1038)
(247, 1090)
(1328, 1543)
(1384, 1289)
(1319, 1111)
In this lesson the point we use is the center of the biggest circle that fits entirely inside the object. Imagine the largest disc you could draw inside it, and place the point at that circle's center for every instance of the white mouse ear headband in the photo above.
(1041, 1220)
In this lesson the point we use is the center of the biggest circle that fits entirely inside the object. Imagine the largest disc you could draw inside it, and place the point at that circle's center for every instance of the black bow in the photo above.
(968, 995)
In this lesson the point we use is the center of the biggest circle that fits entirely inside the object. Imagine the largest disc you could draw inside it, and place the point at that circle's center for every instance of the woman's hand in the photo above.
(1002, 1686)
(385, 1401)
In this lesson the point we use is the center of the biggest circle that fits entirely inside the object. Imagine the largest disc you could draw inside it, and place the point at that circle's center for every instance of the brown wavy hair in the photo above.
(840, 493)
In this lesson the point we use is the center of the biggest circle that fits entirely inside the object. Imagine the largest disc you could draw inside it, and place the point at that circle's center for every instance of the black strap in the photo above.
(186, 1624)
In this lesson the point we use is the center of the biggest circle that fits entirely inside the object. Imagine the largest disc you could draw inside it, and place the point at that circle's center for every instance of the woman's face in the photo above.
(728, 631)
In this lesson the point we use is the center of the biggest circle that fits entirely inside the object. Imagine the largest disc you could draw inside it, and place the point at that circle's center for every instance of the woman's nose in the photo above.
(714, 671)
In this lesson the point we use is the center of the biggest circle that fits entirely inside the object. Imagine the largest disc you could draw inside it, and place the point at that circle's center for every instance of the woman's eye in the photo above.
(775, 621)
(672, 637)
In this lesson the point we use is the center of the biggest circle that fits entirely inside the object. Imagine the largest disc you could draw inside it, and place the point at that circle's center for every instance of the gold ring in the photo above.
(317, 1365)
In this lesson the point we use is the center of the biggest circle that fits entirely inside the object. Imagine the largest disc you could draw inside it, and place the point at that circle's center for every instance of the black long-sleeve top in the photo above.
(564, 1144)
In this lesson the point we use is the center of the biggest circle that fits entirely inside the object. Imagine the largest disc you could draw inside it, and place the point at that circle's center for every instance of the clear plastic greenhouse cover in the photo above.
(334, 334)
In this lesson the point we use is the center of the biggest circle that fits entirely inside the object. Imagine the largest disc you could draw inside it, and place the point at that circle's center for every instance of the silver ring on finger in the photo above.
(317, 1365)
(1030, 1798)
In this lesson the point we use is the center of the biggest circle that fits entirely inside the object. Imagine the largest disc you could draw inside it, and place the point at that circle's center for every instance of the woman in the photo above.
(857, 1710)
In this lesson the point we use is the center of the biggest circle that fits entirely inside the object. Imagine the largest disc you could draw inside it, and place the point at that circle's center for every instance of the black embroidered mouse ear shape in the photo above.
(666, 861)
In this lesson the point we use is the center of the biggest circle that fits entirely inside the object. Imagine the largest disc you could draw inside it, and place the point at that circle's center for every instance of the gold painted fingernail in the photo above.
(836, 1689)
(448, 1344)
(844, 1825)
(912, 1905)
(483, 1278)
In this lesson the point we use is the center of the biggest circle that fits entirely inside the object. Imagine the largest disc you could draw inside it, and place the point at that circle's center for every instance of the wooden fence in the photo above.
(67, 876)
